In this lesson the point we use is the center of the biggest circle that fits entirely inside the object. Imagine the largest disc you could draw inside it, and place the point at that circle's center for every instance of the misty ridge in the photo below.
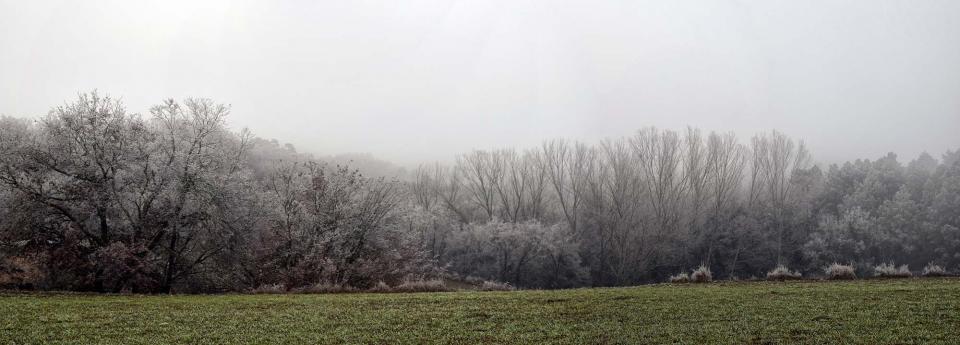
(94, 197)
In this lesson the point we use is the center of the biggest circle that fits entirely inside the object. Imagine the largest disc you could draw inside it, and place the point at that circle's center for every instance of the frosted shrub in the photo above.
(932, 270)
(680, 278)
(381, 287)
(473, 280)
(838, 271)
(891, 271)
(496, 286)
(904, 271)
(433, 285)
(325, 288)
(701, 275)
(270, 289)
(783, 273)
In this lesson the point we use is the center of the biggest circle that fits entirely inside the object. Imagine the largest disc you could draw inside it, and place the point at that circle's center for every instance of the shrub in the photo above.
(891, 271)
(932, 270)
(270, 289)
(20, 273)
(680, 278)
(433, 285)
(325, 288)
(838, 271)
(496, 286)
(783, 273)
(904, 271)
(473, 280)
(381, 287)
(701, 275)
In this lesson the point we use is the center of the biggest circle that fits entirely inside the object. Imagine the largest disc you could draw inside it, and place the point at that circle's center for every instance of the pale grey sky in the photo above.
(412, 81)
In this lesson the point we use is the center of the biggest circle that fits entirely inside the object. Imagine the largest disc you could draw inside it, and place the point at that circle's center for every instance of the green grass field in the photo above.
(911, 311)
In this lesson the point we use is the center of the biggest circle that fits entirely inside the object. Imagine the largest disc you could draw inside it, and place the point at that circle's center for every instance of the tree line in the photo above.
(93, 198)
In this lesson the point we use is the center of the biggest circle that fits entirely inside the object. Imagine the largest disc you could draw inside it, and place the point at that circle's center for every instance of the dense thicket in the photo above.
(93, 198)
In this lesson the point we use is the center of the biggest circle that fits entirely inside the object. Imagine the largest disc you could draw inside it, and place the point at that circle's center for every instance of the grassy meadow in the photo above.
(896, 311)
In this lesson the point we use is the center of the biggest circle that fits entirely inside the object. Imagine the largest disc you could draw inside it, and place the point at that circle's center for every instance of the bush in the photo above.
(680, 278)
(838, 271)
(932, 270)
(473, 280)
(433, 285)
(701, 275)
(20, 273)
(381, 287)
(496, 286)
(891, 271)
(325, 288)
(270, 289)
(783, 273)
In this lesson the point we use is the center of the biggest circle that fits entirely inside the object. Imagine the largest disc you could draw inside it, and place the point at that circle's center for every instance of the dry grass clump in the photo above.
(932, 270)
(701, 275)
(891, 271)
(496, 286)
(838, 271)
(680, 278)
(432, 285)
(783, 273)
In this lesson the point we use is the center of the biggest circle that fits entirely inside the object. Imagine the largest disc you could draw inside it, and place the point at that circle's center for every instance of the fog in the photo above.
(427, 80)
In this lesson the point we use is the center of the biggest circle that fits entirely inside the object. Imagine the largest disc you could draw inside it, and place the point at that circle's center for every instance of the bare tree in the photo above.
(725, 164)
(194, 152)
(424, 187)
(696, 170)
(625, 231)
(660, 154)
(726, 160)
(448, 184)
(534, 177)
(480, 176)
(778, 159)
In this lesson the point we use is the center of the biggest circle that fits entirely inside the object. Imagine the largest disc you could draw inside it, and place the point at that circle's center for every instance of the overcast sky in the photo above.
(412, 81)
